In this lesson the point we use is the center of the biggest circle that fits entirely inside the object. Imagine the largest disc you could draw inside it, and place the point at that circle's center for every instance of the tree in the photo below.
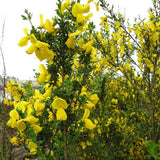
(94, 97)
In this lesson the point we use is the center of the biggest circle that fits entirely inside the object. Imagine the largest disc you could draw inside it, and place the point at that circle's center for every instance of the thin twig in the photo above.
(1, 50)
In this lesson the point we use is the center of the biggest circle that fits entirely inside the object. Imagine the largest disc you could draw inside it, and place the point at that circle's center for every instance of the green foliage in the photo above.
(153, 149)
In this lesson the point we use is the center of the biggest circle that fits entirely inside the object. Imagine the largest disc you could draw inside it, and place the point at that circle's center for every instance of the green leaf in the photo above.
(24, 17)
(152, 148)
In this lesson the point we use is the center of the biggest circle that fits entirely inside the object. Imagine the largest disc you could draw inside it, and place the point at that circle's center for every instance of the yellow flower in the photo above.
(89, 104)
(88, 143)
(133, 113)
(8, 101)
(47, 25)
(114, 101)
(47, 93)
(37, 95)
(29, 109)
(94, 98)
(95, 121)
(158, 72)
(88, 46)
(21, 125)
(80, 42)
(102, 20)
(99, 131)
(65, 5)
(50, 117)
(41, 20)
(97, 5)
(88, 123)
(40, 48)
(21, 106)
(86, 114)
(14, 114)
(109, 122)
(32, 147)
(83, 145)
(75, 33)
(39, 107)
(78, 10)
(24, 41)
(51, 153)
(87, 18)
(84, 89)
(14, 141)
(117, 23)
(61, 114)
(44, 76)
(36, 128)
(31, 119)
(83, 93)
(70, 42)
(12, 123)
(66, 76)
(86, 8)
(127, 67)
(60, 104)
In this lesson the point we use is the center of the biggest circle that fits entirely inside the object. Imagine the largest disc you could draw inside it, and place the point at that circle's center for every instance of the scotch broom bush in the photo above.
(98, 92)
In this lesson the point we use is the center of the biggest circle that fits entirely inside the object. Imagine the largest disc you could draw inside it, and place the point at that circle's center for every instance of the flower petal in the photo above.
(89, 124)
(59, 103)
(21, 125)
(61, 114)
(31, 49)
(14, 114)
(86, 114)
(25, 30)
(23, 41)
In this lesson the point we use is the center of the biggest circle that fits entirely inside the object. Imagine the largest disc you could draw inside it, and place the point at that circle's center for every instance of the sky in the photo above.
(18, 63)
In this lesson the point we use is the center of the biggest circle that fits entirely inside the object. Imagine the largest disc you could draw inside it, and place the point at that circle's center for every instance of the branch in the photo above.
(113, 17)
